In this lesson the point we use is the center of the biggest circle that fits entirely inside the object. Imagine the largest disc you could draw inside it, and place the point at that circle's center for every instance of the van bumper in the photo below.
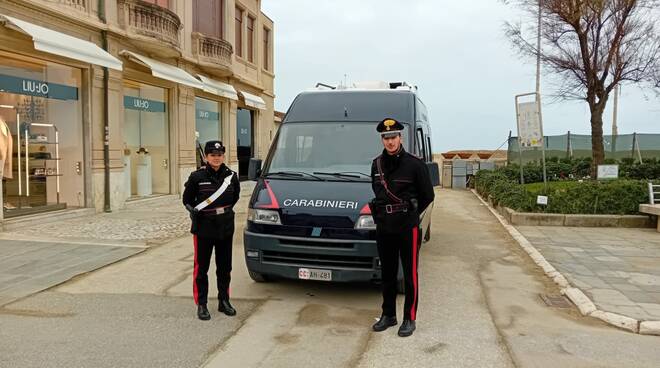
(283, 256)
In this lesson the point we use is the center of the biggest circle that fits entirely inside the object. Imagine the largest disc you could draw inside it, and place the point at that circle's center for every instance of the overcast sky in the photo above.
(454, 51)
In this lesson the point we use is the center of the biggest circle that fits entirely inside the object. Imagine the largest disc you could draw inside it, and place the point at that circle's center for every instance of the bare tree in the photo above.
(592, 46)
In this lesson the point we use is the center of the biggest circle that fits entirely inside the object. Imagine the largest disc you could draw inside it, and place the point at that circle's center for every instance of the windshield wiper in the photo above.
(346, 174)
(298, 174)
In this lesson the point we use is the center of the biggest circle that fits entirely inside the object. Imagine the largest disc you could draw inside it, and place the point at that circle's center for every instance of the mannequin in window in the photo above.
(6, 146)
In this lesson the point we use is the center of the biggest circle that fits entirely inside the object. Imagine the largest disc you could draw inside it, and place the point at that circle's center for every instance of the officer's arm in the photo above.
(189, 192)
(424, 187)
(237, 189)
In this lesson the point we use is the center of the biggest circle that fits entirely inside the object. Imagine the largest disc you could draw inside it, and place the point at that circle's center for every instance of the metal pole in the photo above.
(538, 54)
(522, 176)
(545, 176)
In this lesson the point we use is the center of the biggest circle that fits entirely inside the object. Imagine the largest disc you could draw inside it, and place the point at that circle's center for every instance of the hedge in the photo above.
(573, 169)
(616, 197)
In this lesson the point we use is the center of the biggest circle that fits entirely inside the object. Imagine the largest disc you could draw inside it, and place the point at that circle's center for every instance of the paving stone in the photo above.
(608, 259)
(641, 297)
(625, 287)
(610, 296)
(593, 282)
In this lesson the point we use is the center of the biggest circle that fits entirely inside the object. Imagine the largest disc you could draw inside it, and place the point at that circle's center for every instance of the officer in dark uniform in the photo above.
(210, 195)
(403, 189)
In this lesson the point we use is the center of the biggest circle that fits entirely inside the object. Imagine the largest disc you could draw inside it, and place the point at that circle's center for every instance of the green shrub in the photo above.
(621, 196)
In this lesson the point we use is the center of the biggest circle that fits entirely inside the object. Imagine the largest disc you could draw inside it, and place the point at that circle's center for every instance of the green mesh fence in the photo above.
(579, 146)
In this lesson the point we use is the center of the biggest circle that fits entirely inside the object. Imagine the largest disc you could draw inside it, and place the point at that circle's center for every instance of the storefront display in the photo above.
(146, 140)
(40, 135)
(208, 125)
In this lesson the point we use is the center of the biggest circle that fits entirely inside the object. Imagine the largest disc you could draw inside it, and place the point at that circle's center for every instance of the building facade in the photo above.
(172, 74)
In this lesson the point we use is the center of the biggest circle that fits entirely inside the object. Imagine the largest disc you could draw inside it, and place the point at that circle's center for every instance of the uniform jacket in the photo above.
(407, 178)
(202, 184)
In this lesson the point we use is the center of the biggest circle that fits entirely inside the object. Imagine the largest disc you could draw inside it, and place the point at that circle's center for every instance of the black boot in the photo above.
(384, 323)
(407, 328)
(226, 308)
(203, 312)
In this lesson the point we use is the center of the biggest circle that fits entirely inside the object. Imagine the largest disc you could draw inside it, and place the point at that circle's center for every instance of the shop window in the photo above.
(41, 135)
(146, 140)
(208, 125)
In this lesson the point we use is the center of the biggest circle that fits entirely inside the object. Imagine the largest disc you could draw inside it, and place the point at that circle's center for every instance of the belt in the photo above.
(216, 211)
(395, 208)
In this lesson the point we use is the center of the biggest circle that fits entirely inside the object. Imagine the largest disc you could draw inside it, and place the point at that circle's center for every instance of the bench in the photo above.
(653, 207)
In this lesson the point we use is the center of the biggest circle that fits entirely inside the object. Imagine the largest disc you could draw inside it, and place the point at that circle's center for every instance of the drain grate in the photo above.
(556, 301)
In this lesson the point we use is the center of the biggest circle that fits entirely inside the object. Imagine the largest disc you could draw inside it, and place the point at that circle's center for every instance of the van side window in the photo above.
(421, 150)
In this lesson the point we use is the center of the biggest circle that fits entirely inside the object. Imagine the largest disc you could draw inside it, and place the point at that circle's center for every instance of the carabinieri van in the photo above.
(308, 216)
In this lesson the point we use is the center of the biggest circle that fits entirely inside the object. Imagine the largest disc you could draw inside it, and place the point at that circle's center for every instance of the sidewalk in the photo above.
(38, 257)
(618, 269)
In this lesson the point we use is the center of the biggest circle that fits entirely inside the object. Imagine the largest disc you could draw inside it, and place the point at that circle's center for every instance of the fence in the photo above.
(569, 145)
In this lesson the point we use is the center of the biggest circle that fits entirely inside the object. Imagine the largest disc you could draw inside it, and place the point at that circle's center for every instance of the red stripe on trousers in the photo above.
(195, 271)
(414, 273)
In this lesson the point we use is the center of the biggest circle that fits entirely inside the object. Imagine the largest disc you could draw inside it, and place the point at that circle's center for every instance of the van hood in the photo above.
(335, 204)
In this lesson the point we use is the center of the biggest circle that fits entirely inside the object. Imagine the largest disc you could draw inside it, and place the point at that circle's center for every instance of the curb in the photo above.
(575, 295)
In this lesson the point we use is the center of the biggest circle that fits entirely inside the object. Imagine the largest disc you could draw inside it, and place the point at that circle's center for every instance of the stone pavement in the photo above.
(37, 257)
(27, 267)
(617, 268)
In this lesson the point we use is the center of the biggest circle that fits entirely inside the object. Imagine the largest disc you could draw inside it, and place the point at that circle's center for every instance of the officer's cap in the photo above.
(389, 128)
(214, 147)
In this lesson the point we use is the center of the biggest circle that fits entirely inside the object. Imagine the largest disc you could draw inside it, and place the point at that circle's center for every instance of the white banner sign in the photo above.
(529, 125)
(608, 171)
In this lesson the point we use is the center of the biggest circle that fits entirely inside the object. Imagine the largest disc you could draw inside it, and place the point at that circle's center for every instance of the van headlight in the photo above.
(365, 222)
(259, 216)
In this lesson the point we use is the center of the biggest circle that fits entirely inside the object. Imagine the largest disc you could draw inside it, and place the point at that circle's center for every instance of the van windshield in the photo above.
(321, 148)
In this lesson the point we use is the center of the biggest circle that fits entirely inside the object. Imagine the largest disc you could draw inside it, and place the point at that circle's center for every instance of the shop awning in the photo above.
(253, 101)
(164, 71)
(218, 88)
(62, 44)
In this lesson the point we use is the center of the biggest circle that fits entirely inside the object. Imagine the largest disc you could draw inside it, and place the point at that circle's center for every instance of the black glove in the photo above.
(194, 212)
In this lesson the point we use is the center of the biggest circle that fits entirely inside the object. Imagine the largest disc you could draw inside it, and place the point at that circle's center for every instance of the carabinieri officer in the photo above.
(210, 195)
(403, 190)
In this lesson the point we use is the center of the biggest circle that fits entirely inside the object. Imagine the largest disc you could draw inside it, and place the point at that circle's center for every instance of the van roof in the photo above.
(352, 105)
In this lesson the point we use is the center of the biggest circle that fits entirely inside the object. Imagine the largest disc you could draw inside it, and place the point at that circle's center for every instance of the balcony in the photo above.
(148, 22)
(81, 5)
(212, 52)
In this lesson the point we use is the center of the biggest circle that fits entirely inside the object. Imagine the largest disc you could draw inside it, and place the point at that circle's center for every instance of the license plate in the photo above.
(314, 274)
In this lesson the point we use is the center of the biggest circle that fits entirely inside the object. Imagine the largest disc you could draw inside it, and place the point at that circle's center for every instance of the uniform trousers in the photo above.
(392, 246)
(203, 250)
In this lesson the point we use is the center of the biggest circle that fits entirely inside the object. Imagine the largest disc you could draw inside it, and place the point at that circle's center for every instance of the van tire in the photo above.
(258, 277)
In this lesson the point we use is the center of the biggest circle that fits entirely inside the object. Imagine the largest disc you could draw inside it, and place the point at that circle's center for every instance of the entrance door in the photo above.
(244, 143)
(146, 140)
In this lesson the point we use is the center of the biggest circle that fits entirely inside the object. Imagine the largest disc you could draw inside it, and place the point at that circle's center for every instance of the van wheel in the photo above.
(427, 236)
(258, 277)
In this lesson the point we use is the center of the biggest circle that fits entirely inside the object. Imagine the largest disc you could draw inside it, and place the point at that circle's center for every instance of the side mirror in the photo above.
(254, 169)
(434, 173)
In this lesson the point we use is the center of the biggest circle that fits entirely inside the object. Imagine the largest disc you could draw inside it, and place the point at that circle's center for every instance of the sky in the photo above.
(454, 51)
